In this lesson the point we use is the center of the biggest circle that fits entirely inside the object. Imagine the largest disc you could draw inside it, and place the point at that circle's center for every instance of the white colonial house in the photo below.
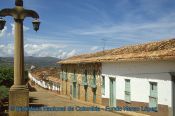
(140, 76)
(143, 83)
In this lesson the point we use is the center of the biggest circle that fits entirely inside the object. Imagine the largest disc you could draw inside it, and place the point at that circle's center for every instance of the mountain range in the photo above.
(30, 60)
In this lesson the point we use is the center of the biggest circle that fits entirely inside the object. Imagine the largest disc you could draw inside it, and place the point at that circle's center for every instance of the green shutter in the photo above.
(74, 90)
(61, 75)
(111, 92)
(86, 95)
(93, 81)
(153, 94)
(94, 95)
(103, 85)
(84, 78)
(64, 75)
(79, 91)
(110, 95)
(74, 77)
(127, 90)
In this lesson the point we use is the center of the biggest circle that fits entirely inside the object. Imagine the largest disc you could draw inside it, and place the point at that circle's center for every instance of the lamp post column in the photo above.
(19, 93)
(19, 53)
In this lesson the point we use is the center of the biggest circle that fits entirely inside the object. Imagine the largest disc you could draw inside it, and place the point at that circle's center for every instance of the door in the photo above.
(153, 94)
(127, 90)
(74, 90)
(66, 87)
(112, 99)
(94, 95)
(62, 88)
(71, 90)
(78, 91)
(86, 95)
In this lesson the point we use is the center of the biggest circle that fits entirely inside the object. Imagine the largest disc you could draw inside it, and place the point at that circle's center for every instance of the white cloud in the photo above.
(38, 50)
(162, 28)
(25, 28)
(6, 50)
(71, 53)
(94, 48)
(135, 29)
(13, 29)
(3, 32)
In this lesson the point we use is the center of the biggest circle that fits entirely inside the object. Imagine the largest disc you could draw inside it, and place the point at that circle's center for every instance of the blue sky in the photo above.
(72, 27)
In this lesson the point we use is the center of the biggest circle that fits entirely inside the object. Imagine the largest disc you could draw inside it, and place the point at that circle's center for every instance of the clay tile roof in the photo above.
(162, 50)
(53, 79)
(49, 73)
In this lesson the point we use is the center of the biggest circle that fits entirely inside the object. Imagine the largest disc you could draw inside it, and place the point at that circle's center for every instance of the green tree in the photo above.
(6, 76)
(3, 92)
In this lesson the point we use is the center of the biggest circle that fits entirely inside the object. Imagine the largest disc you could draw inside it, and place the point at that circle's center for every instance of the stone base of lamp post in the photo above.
(18, 100)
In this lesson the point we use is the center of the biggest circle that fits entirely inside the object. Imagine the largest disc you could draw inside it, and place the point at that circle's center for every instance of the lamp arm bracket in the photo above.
(31, 13)
(7, 12)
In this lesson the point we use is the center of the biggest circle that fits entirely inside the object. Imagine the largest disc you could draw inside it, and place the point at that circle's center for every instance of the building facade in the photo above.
(82, 81)
(140, 84)
(140, 77)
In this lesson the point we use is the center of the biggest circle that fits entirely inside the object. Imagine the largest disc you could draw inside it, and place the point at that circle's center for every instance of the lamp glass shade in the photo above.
(2, 23)
(36, 24)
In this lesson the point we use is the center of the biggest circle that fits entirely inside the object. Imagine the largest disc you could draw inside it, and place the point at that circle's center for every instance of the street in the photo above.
(41, 97)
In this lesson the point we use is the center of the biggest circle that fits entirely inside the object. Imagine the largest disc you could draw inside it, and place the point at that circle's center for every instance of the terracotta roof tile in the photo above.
(162, 50)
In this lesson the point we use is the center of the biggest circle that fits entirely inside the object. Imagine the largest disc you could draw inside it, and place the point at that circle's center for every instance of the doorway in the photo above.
(86, 94)
(112, 93)
(74, 90)
(94, 95)
(66, 87)
(78, 91)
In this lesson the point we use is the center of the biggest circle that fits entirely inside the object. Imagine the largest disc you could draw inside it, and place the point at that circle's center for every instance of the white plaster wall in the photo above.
(140, 74)
(39, 82)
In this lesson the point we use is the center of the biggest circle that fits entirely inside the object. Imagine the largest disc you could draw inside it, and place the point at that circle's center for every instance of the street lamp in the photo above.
(19, 93)
(36, 24)
(2, 23)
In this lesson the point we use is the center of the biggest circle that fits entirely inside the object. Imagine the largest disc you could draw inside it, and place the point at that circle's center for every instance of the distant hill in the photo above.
(30, 60)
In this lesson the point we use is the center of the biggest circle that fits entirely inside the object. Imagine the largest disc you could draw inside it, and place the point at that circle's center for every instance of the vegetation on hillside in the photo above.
(28, 61)
(6, 76)
(6, 81)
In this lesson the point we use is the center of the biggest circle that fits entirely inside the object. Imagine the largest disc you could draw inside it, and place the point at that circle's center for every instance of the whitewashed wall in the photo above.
(44, 84)
(39, 82)
(140, 74)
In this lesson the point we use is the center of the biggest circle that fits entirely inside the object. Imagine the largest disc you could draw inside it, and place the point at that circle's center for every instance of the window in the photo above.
(94, 77)
(127, 91)
(74, 74)
(103, 85)
(74, 78)
(61, 74)
(65, 75)
(93, 81)
(84, 79)
(153, 94)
